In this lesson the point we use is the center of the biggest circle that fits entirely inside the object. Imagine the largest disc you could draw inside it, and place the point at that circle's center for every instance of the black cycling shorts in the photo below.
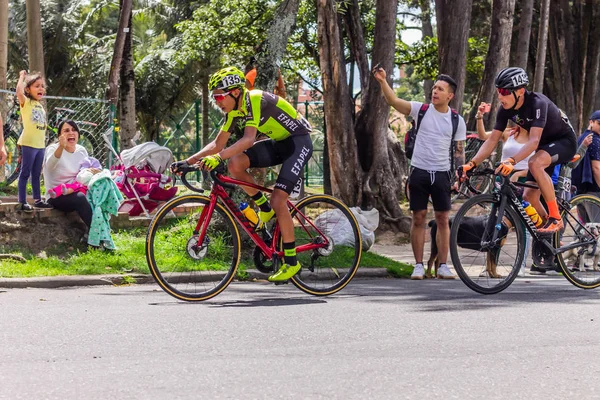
(422, 184)
(292, 153)
(562, 151)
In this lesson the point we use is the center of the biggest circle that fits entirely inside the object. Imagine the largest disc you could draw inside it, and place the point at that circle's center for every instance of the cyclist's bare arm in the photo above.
(534, 139)
(390, 97)
(487, 147)
(213, 147)
(241, 145)
(21, 87)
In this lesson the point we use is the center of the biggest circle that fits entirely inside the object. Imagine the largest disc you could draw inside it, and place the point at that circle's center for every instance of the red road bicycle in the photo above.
(193, 245)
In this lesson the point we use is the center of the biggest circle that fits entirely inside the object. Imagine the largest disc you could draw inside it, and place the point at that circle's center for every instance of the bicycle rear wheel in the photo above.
(486, 269)
(324, 219)
(180, 266)
(12, 167)
(582, 224)
(90, 142)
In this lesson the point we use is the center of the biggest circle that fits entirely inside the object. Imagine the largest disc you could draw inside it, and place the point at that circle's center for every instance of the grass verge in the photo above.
(130, 258)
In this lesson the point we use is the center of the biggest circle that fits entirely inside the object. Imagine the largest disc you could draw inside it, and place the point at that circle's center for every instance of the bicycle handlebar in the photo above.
(214, 174)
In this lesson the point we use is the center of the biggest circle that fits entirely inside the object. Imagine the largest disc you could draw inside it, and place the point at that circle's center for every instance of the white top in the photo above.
(64, 169)
(512, 147)
(432, 148)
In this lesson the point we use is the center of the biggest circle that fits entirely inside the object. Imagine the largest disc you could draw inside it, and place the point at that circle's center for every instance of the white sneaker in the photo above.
(443, 272)
(418, 272)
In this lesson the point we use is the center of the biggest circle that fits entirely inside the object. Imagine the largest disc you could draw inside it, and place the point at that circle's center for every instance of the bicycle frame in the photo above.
(218, 192)
(507, 193)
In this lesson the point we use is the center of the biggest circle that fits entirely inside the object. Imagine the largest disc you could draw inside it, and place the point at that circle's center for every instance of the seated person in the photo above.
(62, 163)
(551, 136)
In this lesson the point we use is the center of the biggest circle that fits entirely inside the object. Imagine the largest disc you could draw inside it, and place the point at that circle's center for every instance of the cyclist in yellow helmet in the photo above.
(289, 144)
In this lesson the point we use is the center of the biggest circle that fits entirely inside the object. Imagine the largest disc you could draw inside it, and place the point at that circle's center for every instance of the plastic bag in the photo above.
(334, 224)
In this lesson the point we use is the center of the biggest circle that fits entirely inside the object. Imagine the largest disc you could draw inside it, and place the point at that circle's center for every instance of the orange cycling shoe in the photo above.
(551, 226)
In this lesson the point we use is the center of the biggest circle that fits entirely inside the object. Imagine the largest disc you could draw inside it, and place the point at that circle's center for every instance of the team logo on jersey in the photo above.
(538, 112)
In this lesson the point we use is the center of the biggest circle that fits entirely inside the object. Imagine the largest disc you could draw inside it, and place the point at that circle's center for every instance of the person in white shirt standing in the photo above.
(431, 173)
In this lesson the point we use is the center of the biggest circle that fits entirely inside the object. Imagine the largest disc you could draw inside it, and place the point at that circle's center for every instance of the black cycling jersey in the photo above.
(538, 111)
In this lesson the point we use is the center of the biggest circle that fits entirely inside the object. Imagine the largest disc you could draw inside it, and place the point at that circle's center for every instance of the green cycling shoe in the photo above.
(266, 216)
(285, 272)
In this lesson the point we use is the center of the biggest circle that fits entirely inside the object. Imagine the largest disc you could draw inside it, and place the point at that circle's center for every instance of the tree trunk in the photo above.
(524, 34)
(35, 45)
(538, 84)
(358, 49)
(3, 42)
(112, 90)
(273, 49)
(497, 57)
(561, 64)
(453, 22)
(593, 69)
(427, 30)
(342, 149)
(127, 94)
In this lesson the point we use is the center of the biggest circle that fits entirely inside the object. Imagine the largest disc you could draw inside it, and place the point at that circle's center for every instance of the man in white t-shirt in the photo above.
(431, 173)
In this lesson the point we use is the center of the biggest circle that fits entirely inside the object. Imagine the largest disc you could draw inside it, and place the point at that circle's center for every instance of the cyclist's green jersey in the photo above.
(269, 114)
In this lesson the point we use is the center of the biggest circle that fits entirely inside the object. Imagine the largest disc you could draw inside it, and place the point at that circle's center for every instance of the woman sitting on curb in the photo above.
(62, 163)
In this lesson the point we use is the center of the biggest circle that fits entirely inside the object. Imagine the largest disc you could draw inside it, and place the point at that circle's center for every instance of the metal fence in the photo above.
(94, 118)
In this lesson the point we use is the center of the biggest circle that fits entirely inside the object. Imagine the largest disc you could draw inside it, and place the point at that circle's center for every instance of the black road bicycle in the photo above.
(488, 259)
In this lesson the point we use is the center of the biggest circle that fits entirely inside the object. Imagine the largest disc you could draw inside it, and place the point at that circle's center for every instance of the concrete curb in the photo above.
(54, 282)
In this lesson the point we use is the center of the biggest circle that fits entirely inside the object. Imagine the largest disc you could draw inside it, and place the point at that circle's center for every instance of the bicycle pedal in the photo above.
(278, 283)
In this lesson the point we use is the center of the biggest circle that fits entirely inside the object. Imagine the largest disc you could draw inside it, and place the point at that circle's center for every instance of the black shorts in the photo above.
(561, 152)
(292, 153)
(422, 184)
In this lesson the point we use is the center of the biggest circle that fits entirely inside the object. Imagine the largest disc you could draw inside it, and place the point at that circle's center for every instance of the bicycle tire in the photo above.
(470, 264)
(182, 269)
(12, 169)
(585, 212)
(330, 215)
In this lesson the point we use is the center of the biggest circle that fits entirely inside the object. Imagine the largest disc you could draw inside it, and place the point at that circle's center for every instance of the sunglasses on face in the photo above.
(504, 92)
(220, 96)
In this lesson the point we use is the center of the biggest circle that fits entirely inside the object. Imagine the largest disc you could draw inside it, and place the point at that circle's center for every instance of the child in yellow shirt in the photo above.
(30, 90)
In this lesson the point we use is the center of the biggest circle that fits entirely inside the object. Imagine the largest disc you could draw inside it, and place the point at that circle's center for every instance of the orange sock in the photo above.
(553, 209)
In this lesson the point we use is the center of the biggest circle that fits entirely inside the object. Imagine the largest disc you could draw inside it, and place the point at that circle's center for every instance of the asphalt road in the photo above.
(377, 339)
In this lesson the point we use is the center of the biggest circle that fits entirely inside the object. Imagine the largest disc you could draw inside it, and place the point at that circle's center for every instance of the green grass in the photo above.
(130, 258)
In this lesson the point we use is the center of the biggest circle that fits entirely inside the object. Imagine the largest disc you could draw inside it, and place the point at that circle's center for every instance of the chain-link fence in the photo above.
(94, 118)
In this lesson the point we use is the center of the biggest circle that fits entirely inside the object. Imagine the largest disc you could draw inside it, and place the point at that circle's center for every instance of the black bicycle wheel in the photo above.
(580, 265)
(491, 269)
(325, 219)
(12, 167)
(179, 265)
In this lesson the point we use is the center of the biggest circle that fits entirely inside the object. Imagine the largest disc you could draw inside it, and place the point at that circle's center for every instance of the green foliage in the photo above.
(224, 32)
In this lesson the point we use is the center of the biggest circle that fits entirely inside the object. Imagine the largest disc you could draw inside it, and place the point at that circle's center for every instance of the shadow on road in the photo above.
(437, 295)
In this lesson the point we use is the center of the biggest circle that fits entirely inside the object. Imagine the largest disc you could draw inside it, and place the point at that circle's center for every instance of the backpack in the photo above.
(411, 136)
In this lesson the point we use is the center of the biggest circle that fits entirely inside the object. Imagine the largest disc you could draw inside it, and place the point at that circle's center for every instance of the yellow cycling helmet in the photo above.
(227, 78)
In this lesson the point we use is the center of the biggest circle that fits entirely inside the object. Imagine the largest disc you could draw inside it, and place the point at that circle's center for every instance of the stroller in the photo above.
(139, 176)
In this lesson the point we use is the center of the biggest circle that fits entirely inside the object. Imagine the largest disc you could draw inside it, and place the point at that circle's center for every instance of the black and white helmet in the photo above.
(512, 78)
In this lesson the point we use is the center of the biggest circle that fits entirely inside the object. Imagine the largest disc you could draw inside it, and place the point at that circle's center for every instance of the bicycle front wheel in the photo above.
(181, 266)
(326, 221)
(483, 266)
(582, 225)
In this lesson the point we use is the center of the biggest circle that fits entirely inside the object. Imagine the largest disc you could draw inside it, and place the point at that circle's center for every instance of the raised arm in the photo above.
(21, 87)
(401, 105)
